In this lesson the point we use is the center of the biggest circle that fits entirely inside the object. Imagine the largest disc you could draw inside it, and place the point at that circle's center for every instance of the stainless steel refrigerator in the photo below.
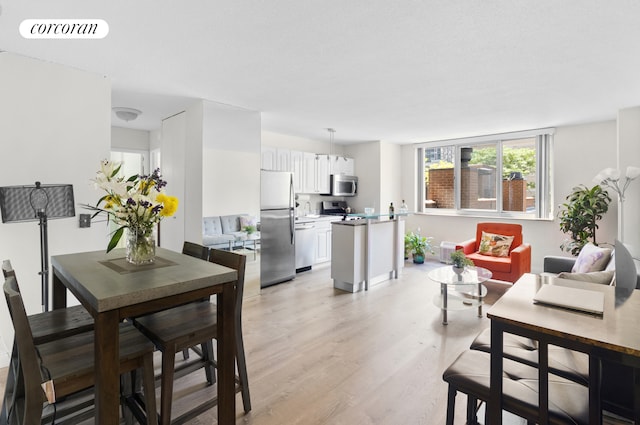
(277, 228)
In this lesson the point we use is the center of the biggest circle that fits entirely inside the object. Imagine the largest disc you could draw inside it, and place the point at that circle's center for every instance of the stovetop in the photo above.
(334, 208)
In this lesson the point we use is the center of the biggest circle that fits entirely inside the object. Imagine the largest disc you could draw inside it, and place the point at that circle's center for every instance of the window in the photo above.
(504, 175)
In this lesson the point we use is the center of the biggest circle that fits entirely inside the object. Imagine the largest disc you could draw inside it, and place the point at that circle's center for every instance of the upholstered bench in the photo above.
(469, 374)
(572, 365)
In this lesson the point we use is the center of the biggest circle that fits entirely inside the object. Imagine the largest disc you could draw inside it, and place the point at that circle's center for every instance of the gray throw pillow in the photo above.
(603, 277)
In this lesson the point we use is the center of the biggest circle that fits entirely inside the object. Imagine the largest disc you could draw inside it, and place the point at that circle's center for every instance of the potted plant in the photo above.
(418, 245)
(579, 215)
(459, 261)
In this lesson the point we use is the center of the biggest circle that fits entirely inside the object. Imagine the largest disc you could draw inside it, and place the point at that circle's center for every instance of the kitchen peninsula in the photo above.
(367, 251)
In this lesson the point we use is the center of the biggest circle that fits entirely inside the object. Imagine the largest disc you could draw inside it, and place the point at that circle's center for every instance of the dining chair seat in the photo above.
(54, 324)
(66, 367)
(193, 324)
(470, 374)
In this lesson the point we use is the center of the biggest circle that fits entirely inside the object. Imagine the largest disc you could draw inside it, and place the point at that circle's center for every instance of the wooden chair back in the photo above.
(234, 261)
(7, 269)
(195, 250)
(30, 365)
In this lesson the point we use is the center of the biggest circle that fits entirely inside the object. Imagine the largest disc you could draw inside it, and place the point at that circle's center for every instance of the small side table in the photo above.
(466, 289)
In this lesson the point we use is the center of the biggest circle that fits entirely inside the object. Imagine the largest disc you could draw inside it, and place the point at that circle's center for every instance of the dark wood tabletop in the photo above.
(112, 289)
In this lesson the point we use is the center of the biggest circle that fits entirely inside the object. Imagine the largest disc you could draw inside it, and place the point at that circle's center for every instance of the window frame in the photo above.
(543, 209)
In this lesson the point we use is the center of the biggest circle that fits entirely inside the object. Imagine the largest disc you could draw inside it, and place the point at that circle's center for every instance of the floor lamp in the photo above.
(610, 178)
(38, 203)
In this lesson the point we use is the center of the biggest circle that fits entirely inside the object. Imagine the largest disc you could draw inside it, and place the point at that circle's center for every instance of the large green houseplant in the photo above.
(418, 246)
(579, 216)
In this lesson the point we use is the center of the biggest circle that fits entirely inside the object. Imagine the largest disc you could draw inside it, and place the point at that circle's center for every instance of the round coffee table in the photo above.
(459, 291)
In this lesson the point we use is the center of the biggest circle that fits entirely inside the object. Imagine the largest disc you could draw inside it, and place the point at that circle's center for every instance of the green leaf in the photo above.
(115, 238)
(116, 171)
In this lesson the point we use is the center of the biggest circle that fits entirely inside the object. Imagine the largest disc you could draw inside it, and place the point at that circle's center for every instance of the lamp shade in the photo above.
(25, 203)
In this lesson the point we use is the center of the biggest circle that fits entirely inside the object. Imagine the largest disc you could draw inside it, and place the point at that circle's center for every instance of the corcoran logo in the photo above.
(64, 28)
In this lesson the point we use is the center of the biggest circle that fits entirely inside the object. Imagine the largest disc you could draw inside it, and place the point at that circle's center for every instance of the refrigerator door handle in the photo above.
(291, 210)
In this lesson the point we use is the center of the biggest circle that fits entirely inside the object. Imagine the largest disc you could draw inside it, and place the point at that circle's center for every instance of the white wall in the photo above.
(124, 139)
(172, 166)
(390, 176)
(629, 155)
(231, 161)
(579, 153)
(367, 157)
(55, 125)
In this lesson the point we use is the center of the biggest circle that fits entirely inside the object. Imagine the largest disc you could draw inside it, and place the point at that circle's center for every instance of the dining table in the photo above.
(611, 336)
(112, 290)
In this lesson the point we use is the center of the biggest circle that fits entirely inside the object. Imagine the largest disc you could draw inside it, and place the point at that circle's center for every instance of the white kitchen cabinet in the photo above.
(268, 158)
(316, 173)
(342, 165)
(297, 167)
(324, 174)
(275, 159)
(283, 159)
(309, 173)
(323, 242)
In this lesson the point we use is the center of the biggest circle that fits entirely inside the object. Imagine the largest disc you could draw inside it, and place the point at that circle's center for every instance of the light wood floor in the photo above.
(317, 355)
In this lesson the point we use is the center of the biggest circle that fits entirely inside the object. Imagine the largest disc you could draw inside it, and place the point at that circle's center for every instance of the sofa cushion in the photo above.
(495, 245)
(230, 223)
(591, 259)
(211, 226)
(496, 264)
(603, 277)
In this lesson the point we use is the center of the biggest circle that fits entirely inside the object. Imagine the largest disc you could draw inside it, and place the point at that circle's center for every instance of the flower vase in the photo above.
(141, 248)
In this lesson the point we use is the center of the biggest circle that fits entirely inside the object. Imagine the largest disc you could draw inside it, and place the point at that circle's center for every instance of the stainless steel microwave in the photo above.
(342, 185)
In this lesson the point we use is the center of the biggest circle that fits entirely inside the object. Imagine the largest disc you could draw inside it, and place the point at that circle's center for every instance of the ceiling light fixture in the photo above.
(126, 114)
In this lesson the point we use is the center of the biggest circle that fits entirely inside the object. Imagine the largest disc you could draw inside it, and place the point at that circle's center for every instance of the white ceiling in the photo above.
(396, 70)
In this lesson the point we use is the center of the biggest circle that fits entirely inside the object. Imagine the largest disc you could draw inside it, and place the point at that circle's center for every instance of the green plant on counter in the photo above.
(418, 246)
(249, 229)
(459, 260)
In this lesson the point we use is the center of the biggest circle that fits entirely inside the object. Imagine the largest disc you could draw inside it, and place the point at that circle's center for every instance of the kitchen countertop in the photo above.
(314, 218)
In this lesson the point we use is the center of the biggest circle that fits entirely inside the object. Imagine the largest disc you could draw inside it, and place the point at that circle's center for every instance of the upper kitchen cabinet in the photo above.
(311, 171)
(342, 165)
(316, 173)
(324, 174)
(275, 159)
(297, 167)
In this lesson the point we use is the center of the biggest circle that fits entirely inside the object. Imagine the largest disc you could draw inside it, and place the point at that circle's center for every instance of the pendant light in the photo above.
(331, 136)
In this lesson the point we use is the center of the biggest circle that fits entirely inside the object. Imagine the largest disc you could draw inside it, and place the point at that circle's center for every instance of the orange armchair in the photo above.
(508, 268)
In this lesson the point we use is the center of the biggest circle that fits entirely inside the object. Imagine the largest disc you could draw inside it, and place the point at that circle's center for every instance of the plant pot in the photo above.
(458, 270)
(418, 258)
(141, 249)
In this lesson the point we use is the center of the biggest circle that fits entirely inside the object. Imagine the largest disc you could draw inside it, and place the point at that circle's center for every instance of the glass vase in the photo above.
(141, 248)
